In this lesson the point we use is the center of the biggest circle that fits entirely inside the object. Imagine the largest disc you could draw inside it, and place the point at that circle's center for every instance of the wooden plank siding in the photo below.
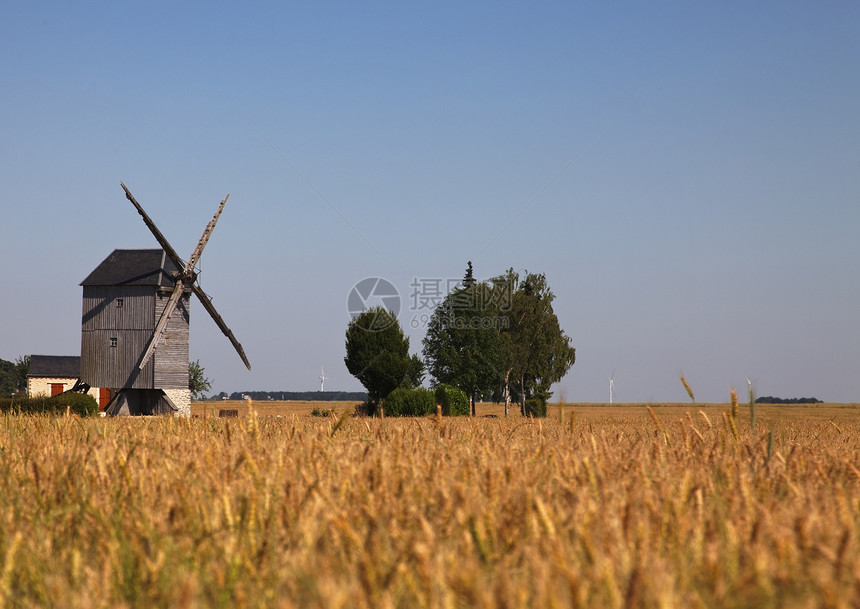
(105, 365)
(171, 356)
(101, 310)
(131, 325)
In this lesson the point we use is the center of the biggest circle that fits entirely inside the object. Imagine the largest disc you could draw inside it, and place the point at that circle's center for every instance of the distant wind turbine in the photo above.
(612, 387)
(322, 379)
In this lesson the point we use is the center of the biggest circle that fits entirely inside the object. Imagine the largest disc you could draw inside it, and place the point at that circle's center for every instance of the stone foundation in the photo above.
(181, 398)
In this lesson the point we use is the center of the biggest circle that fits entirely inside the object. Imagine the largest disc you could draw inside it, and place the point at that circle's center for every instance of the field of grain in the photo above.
(269, 408)
(674, 506)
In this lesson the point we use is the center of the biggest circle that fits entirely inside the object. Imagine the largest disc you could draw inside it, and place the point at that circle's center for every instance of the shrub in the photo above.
(81, 404)
(535, 407)
(366, 409)
(405, 402)
(454, 402)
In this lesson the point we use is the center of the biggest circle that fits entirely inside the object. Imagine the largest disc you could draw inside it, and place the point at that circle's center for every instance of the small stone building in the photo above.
(53, 374)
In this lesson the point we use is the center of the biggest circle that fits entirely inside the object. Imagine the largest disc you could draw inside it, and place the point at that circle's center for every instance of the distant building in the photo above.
(53, 374)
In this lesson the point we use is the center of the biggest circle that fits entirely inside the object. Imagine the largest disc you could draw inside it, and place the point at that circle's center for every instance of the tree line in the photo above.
(497, 340)
(306, 396)
(13, 376)
(772, 400)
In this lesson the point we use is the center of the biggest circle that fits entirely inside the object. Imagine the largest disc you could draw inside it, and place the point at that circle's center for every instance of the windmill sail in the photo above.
(204, 238)
(171, 253)
(186, 279)
(207, 304)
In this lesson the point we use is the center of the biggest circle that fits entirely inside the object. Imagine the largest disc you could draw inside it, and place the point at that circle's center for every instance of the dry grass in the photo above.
(608, 507)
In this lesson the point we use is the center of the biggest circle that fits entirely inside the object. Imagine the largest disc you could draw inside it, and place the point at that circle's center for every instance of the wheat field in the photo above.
(675, 506)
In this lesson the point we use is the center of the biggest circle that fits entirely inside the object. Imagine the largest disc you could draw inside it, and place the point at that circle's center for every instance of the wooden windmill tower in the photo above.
(135, 324)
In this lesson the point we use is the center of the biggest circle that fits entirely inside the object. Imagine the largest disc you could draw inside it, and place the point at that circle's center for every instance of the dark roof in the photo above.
(133, 267)
(60, 366)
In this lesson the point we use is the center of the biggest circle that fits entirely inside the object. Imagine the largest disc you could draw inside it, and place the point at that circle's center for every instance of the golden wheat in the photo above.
(284, 512)
(688, 388)
(734, 397)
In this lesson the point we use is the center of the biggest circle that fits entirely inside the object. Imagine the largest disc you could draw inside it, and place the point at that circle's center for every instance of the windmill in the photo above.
(135, 325)
(612, 387)
(749, 389)
(322, 379)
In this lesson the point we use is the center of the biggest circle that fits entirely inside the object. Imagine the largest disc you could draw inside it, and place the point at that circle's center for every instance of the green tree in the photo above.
(197, 382)
(469, 279)
(415, 371)
(512, 349)
(7, 378)
(13, 376)
(377, 354)
(462, 346)
(22, 369)
(535, 350)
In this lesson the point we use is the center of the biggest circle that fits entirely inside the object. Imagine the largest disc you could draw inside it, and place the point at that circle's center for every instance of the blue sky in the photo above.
(685, 174)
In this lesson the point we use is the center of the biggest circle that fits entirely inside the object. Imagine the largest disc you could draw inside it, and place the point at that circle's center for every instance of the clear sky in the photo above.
(686, 175)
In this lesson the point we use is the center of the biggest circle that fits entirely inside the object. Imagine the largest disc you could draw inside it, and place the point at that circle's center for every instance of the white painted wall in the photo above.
(42, 386)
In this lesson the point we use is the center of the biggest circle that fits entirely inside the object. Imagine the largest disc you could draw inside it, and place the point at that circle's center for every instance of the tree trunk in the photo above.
(507, 392)
(523, 395)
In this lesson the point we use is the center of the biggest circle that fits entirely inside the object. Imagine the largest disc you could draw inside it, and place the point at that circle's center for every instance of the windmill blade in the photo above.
(204, 239)
(162, 323)
(171, 253)
(207, 304)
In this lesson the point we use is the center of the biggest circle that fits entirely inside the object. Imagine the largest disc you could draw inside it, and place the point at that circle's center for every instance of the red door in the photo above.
(104, 398)
(57, 388)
